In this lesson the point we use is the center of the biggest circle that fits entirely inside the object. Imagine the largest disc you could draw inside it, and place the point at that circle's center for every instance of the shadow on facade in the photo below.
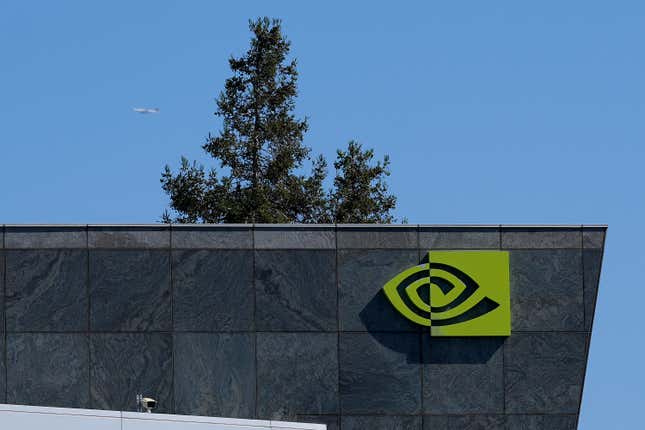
(396, 333)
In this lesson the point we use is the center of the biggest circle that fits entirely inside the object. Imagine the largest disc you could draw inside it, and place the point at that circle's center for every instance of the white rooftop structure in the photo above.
(37, 418)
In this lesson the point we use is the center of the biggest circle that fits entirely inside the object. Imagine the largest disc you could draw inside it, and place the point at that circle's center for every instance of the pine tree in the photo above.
(259, 147)
(261, 154)
(360, 193)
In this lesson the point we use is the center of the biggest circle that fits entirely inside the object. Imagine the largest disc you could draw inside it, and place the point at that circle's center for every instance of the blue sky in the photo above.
(492, 112)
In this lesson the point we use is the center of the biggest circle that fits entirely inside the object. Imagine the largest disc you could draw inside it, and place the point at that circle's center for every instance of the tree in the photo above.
(259, 147)
(360, 193)
(261, 155)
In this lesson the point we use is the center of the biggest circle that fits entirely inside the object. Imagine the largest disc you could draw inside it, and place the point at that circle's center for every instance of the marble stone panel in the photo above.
(2, 289)
(68, 236)
(296, 290)
(375, 422)
(592, 261)
(543, 372)
(380, 373)
(47, 290)
(364, 236)
(546, 290)
(463, 375)
(593, 237)
(361, 276)
(145, 237)
(295, 236)
(215, 374)
(3, 371)
(126, 364)
(541, 237)
(213, 290)
(541, 422)
(454, 237)
(297, 374)
(464, 422)
(130, 290)
(48, 369)
(200, 236)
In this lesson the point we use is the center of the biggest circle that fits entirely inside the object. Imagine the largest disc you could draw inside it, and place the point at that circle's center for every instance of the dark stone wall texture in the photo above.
(288, 322)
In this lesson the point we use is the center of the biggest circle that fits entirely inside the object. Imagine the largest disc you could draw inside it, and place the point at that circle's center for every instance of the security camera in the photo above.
(145, 404)
(148, 404)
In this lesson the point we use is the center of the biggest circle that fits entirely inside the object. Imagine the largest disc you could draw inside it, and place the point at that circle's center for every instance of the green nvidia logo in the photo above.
(457, 293)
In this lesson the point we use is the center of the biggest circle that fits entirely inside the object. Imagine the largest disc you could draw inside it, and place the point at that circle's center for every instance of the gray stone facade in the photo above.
(288, 322)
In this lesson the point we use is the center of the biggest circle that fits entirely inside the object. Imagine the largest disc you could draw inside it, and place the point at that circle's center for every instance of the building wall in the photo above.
(288, 322)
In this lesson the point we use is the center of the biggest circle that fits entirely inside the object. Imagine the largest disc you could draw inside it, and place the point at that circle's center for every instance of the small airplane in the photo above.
(146, 110)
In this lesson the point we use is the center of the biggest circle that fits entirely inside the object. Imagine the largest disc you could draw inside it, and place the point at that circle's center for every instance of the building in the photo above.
(286, 322)
(46, 417)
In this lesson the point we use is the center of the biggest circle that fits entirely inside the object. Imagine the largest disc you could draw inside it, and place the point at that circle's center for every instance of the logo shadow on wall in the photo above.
(391, 329)
(426, 350)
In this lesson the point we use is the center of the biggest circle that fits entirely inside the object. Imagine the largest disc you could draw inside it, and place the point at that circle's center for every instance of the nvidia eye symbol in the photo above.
(458, 293)
(406, 292)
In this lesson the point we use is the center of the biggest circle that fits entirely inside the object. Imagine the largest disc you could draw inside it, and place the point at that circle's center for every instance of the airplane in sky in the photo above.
(146, 110)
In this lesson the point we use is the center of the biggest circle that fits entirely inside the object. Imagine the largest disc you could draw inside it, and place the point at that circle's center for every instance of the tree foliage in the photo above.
(360, 193)
(261, 154)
